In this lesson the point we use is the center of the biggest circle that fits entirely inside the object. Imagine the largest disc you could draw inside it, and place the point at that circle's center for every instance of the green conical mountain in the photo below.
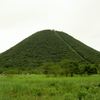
(47, 46)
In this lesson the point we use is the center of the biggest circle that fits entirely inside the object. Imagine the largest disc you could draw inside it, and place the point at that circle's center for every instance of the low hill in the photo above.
(47, 46)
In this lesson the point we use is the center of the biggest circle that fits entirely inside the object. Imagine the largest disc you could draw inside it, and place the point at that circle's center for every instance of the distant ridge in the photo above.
(48, 46)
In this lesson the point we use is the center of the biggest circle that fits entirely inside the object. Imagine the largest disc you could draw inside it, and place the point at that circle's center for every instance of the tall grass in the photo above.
(39, 87)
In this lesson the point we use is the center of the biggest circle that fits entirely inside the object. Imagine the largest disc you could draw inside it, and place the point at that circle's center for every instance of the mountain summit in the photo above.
(47, 46)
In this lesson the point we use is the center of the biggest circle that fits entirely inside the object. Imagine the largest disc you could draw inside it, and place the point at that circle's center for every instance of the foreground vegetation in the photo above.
(40, 87)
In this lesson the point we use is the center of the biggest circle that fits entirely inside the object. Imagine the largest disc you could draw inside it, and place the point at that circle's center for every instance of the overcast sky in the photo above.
(21, 18)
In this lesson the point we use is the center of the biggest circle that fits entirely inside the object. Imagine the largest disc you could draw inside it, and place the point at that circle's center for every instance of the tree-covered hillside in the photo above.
(83, 50)
(45, 47)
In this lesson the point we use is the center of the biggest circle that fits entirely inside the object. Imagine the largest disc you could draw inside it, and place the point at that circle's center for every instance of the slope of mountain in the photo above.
(47, 46)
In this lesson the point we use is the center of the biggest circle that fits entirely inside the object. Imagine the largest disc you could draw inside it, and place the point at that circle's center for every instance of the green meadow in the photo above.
(41, 87)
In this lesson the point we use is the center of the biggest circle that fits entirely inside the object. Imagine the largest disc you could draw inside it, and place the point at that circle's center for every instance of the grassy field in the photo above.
(40, 87)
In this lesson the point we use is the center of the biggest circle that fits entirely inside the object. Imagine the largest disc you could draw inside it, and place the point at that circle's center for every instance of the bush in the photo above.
(12, 71)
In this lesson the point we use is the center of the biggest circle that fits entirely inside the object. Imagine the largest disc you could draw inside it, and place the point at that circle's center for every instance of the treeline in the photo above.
(63, 68)
(69, 68)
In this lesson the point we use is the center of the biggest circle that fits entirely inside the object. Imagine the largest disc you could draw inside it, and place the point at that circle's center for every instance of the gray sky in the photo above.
(21, 18)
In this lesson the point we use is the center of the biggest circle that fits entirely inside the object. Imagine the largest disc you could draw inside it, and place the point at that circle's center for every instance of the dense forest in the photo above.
(50, 47)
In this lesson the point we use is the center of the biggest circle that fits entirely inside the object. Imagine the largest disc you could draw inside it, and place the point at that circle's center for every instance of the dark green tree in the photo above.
(56, 69)
(50, 69)
(67, 67)
(47, 68)
(81, 68)
(90, 69)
